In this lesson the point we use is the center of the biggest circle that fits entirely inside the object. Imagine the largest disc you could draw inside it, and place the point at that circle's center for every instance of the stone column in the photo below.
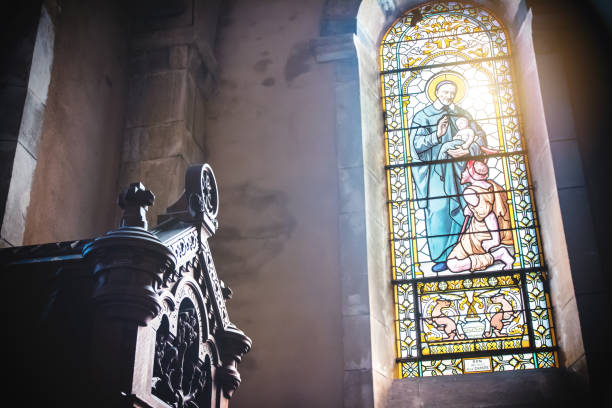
(22, 106)
(172, 70)
(361, 327)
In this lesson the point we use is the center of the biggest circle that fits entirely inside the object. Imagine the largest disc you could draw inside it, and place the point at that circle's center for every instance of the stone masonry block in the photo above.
(352, 237)
(149, 61)
(383, 347)
(333, 48)
(358, 391)
(12, 98)
(153, 142)
(379, 283)
(42, 59)
(501, 389)
(567, 163)
(595, 328)
(31, 123)
(569, 333)
(7, 155)
(159, 59)
(351, 190)
(581, 241)
(347, 70)
(156, 142)
(158, 98)
(561, 282)
(579, 372)
(18, 198)
(543, 175)
(189, 100)
(370, 18)
(199, 121)
(555, 95)
(382, 386)
(356, 340)
(348, 125)
(178, 14)
(404, 390)
(381, 294)
(376, 194)
(373, 143)
(178, 56)
(355, 296)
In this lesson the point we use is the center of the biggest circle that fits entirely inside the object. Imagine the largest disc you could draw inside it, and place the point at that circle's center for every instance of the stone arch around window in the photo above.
(367, 292)
(469, 281)
(377, 318)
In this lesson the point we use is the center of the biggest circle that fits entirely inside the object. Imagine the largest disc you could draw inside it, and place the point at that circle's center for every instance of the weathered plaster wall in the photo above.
(74, 190)
(271, 139)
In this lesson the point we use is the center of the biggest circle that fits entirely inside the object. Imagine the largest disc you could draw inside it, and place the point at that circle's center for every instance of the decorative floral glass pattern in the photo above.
(470, 283)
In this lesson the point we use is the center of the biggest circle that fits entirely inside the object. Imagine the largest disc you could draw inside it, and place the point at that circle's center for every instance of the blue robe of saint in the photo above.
(434, 182)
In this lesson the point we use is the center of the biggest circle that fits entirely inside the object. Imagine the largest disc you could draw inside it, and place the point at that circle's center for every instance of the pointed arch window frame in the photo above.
(416, 287)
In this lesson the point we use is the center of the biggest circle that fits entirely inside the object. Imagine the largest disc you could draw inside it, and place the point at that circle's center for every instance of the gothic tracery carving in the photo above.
(196, 339)
(180, 377)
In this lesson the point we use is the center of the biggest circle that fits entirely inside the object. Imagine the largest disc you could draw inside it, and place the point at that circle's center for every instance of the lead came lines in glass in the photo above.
(437, 213)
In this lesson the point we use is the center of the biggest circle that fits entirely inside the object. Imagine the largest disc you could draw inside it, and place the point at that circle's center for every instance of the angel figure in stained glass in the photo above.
(437, 185)
(483, 241)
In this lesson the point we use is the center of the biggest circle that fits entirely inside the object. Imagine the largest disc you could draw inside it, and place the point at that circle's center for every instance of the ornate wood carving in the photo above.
(202, 193)
(184, 246)
(180, 377)
(129, 262)
(199, 204)
(214, 285)
(146, 309)
(222, 344)
(134, 201)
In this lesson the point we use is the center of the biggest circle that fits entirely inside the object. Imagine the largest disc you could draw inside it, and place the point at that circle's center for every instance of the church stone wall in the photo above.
(77, 167)
(572, 67)
(171, 71)
(271, 139)
(270, 95)
(25, 68)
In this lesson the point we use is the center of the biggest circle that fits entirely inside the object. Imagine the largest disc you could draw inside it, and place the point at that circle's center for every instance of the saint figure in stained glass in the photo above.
(469, 281)
(435, 135)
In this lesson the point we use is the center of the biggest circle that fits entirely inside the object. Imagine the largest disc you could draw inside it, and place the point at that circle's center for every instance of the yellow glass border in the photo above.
(460, 6)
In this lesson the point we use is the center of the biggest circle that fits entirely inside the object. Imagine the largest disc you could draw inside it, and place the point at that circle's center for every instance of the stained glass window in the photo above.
(467, 267)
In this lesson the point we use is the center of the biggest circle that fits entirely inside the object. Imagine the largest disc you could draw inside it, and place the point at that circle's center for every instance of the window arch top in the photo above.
(418, 37)
(467, 267)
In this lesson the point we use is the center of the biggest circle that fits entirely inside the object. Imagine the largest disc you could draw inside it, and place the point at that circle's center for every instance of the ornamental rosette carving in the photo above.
(202, 192)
